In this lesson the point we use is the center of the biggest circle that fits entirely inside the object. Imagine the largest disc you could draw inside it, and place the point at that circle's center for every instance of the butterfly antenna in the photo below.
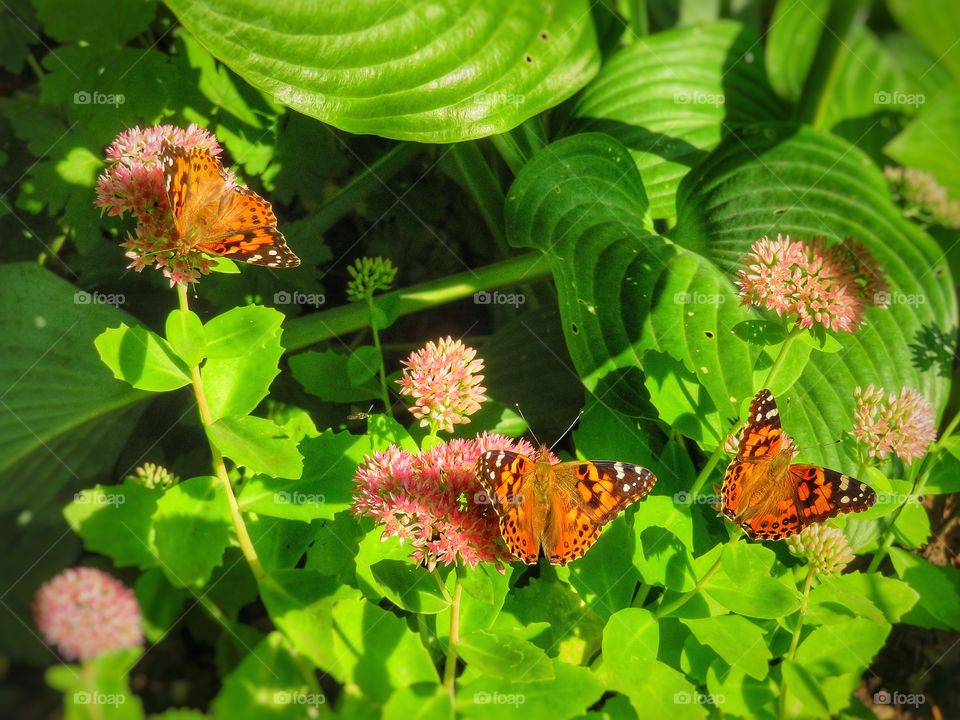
(564, 433)
(520, 412)
(819, 445)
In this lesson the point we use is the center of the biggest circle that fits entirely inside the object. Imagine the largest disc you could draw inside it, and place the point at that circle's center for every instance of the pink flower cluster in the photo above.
(444, 381)
(435, 501)
(830, 285)
(133, 184)
(86, 612)
(901, 424)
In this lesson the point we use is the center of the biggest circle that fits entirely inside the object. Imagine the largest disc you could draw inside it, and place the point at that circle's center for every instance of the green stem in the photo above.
(219, 466)
(384, 393)
(369, 180)
(639, 22)
(519, 145)
(825, 70)
(485, 189)
(35, 66)
(670, 607)
(781, 358)
(450, 668)
(707, 469)
(302, 332)
(795, 640)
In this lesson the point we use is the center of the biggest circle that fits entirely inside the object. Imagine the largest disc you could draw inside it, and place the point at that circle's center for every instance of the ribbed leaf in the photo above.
(431, 71)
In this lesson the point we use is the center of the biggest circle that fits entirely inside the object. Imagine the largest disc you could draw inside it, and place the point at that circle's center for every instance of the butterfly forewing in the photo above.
(506, 477)
(822, 493)
(218, 217)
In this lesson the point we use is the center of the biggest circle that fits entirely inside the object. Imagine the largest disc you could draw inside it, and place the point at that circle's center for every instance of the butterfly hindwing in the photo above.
(505, 477)
(605, 489)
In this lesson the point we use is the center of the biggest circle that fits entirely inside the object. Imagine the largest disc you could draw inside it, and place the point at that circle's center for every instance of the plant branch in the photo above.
(302, 332)
(220, 468)
(450, 668)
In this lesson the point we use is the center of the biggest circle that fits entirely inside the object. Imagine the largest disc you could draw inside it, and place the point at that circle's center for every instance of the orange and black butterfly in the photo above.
(771, 498)
(218, 217)
(557, 508)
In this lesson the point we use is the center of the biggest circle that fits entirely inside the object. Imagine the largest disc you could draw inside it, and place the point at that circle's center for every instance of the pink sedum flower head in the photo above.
(444, 381)
(825, 548)
(827, 285)
(86, 612)
(434, 501)
(884, 423)
(132, 184)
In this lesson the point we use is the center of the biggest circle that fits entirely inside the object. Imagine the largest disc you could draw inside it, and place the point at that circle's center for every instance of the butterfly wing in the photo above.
(220, 219)
(586, 496)
(507, 479)
(822, 493)
(760, 442)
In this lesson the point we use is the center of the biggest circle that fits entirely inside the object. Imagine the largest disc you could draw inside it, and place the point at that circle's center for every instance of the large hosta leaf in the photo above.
(426, 70)
(669, 98)
(63, 417)
(646, 317)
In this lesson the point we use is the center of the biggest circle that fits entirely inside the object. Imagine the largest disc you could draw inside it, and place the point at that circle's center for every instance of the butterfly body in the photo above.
(770, 497)
(557, 509)
(212, 214)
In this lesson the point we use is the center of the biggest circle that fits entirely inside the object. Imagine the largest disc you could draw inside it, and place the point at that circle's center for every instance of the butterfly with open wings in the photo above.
(218, 217)
(771, 498)
(557, 508)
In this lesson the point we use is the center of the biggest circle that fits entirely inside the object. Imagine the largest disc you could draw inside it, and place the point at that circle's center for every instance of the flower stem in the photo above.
(302, 332)
(708, 468)
(781, 358)
(795, 640)
(384, 393)
(450, 668)
(220, 468)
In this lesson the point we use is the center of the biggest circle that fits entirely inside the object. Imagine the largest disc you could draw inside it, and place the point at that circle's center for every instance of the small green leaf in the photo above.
(384, 431)
(141, 358)
(502, 655)
(300, 603)
(160, 603)
(803, 686)
(268, 683)
(362, 365)
(760, 332)
(409, 586)
(233, 333)
(819, 339)
(236, 385)
(823, 655)
(115, 521)
(324, 488)
(857, 594)
(186, 336)
(945, 475)
(100, 688)
(191, 530)
(938, 587)
(327, 375)
(423, 701)
(257, 444)
(738, 641)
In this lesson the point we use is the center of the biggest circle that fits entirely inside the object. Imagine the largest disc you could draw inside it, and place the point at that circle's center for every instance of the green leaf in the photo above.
(857, 594)
(141, 358)
(362, 365)
(486, 70)
(236, 385)
(409, 586)
(384, 431)
(191, 530)
(267, 684)
(671, 98)
(738, 641)
(938, 587)
(233, 333)
(791, 43)
(185, 334)
(257, 444)
(912, 528)
(842, 648)
(94, 21)
(945, 474)
(324, 488)
(744, 586)
(59, 401)
(18, 31)
(424, 701)
(938, 36)
(160, 603)
(926, 142)
(502, 655)
(300, 603)
(280, 544)
(100, 688)
(329, 376)
(569, 693)
(805, 688)
(618, 299)
(115, 521)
